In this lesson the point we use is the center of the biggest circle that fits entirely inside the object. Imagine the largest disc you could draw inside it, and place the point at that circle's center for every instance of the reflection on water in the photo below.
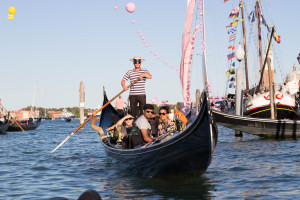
(242, 168)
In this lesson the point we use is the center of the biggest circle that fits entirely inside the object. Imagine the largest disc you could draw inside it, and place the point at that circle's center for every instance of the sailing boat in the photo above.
(264, 101)
(188, 151)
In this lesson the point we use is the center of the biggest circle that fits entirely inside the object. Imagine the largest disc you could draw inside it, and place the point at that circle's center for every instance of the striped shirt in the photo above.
(139, 87)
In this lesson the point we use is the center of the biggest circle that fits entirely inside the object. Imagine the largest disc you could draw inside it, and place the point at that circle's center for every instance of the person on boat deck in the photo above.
(141, 129)
(119, 105)
(166, 125)
(124, 125)
(137, 93)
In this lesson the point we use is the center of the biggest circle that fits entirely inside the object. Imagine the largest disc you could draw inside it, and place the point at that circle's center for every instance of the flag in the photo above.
(230, 25)
(232, 71)
(277, 37)
(251, 17)
(298, 58)
(232, 31)
(232, 79)
(241, 4)
(228, 72)
(234, 15)
(231, 47)
(230, 85)
(264, 21)
(233, 64)
(231, 38)
(230, 56)
(225, 1)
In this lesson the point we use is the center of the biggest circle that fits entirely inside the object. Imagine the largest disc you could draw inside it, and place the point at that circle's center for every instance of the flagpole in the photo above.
(245, 47)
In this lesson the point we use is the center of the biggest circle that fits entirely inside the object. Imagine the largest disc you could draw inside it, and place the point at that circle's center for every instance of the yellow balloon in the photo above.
(11, 10)
(10, 17)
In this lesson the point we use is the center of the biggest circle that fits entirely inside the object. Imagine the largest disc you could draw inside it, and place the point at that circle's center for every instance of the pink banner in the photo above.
(184, 64)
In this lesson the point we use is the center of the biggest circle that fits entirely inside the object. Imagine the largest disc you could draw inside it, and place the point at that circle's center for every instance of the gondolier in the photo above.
(137, 95)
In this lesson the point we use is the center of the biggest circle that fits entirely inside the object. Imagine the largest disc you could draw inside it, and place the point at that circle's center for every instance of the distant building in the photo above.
(60, 114)
(24, 114)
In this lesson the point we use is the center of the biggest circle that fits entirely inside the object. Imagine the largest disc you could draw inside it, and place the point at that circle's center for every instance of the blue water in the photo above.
(242, 168)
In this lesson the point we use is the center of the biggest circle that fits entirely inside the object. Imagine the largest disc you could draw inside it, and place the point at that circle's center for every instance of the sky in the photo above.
(55, 44)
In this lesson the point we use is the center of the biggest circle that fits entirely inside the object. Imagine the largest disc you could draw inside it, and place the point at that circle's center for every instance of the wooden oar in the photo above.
(13, 118)
(92, 116)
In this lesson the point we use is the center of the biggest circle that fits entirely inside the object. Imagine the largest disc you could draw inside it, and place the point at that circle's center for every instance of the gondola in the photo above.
(26, 125)
(188, 152)
(4, 126)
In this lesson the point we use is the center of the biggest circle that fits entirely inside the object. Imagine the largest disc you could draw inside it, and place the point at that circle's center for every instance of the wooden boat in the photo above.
(26, 125)
(258, 126)
(189, 151)
(4, 126)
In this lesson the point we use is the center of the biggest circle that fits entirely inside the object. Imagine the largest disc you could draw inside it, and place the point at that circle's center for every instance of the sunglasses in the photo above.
(128, 119)
(135, 61)
(162, 113)
(148, 111)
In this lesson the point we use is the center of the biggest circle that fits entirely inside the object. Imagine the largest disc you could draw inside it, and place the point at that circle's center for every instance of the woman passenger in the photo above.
(165, 125)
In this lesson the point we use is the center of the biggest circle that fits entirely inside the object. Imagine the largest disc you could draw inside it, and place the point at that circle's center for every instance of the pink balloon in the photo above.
(144, 41)
(176, 69)
(138, 31)
(166, 63)
(151, 51)
(140, 34)
(158, 57)
(143, 38)
(133, 21)
(130, 7)
(147, 45)
(115, 7)
(155, 54)
(171, 66)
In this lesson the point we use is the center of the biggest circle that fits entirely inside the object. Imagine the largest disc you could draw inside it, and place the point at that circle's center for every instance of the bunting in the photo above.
(231, 47)
(230, 56)
(298, 58)
(232, 30)
(231, 38)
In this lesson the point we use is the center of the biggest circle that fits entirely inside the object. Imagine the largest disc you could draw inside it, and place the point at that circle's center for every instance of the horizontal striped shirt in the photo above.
(139, 87)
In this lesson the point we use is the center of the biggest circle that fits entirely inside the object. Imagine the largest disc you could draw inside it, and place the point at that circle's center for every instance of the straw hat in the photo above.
(137, 58)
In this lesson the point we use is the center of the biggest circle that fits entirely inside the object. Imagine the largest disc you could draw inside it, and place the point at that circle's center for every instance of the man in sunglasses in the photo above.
(137, 95)
(141, 130)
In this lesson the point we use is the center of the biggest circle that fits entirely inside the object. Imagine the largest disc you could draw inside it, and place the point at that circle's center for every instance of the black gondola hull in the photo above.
(4, 126)
(190, 151)
(30, 126)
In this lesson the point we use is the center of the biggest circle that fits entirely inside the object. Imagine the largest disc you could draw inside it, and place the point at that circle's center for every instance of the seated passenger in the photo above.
(166, 125)
(141, 129)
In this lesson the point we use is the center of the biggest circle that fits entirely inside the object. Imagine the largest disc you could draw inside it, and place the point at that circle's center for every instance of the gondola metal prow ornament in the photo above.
(88, 119)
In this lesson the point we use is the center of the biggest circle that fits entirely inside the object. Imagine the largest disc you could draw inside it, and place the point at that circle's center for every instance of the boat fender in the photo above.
(279, 96)
(267, 97)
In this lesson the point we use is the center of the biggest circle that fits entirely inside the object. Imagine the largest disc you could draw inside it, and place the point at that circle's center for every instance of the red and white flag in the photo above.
(231, 47)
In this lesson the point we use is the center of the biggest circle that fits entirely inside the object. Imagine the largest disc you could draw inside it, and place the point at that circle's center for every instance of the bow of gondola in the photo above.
(189, 151)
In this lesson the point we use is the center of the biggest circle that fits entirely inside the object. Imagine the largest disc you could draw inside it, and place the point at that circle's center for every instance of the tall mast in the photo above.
(259, 40)
(245, 48)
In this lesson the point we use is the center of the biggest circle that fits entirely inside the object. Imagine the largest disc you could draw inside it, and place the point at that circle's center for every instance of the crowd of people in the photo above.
(141, 125)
